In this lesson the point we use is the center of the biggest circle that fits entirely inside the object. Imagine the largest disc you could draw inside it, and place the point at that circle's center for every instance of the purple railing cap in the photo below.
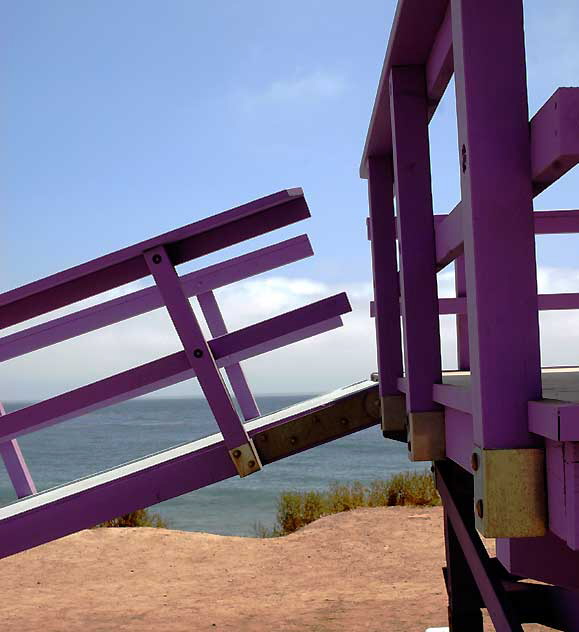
(127, 265)
(413, 33)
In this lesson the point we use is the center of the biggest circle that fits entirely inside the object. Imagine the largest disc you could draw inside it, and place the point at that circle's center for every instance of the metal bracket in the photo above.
(510, 499)
(338, 419)
(245, 459)
(394, 417)
(426, 439)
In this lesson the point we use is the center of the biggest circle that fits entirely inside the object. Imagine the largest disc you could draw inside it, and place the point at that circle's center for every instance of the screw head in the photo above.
(198, 353)
(474, 462)
(251, 463)
(156, 259)
(344, 421)
(236, 453)
(479, 508)
(293, 440)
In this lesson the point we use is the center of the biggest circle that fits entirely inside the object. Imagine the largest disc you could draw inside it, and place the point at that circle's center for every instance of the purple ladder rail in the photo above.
(200, 358)
(493, 410)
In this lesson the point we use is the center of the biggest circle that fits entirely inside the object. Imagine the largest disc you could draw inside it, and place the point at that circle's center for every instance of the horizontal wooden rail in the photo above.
(457, 397)
(234, 347)
(127, 265)
(448, 229)
(555, 138)
(546, 302)
(148, 299)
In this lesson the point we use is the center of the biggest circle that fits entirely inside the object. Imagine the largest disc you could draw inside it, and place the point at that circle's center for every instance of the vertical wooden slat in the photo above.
(409, 111)
(462, 348)
(385, 273)
(234, 372)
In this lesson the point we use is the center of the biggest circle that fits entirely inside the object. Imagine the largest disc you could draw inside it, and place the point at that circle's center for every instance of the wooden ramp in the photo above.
(63, 510)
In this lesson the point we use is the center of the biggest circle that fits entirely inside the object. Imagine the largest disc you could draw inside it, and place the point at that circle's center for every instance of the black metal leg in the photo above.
(464, 600)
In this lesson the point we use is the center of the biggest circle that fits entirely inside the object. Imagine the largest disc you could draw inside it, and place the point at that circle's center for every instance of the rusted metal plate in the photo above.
(334, 420)
(394, 417)
(510, 497)
(426, 439)
(245, 459)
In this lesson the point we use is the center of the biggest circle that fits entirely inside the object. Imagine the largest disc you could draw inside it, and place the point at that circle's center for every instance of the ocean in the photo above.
(121, 433)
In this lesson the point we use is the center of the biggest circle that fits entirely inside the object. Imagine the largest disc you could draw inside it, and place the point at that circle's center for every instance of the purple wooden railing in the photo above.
(505, 161)
(200, 358)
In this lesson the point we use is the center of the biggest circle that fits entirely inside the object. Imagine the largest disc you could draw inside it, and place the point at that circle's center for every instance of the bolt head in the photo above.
(198, 353)
(236, 453)
(474, 462)
(251, 463)
(479, 508)
(157, 259)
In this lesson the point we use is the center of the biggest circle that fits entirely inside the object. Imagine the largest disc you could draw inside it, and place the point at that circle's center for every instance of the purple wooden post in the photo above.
(409, 114)
(462, 348)
(16, 466)
(385, 273)
(234, 371)
(494, 145)
(201, 359)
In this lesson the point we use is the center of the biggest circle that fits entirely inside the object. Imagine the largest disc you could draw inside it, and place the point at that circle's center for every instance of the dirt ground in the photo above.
(370, 569)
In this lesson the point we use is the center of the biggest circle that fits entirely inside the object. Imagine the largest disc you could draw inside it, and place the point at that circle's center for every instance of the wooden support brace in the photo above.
(234, 372)
(201, 359)
(16, 466)
(555, 138)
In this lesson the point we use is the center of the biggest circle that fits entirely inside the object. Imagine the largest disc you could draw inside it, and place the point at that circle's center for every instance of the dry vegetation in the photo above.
(297, 509)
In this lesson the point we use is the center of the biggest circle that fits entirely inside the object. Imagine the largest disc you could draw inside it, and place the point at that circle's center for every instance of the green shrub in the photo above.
(139, 518)
(297, 509)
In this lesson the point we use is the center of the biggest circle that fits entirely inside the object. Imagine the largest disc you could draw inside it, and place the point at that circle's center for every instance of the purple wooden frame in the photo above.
(200, 358)
(505, 160)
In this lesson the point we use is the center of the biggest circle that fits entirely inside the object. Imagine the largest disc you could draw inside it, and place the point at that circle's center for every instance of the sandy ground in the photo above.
(371, 569)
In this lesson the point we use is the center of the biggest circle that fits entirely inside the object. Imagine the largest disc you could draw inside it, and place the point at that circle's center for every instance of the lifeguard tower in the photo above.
(502, 432)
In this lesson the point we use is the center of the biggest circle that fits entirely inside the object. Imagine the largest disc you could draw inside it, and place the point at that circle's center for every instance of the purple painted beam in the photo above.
(265, 336)
(555, 134)
(449, 237)
(462, 347)
(127, 265)
(16, 466)
(234, 372)
(458, 434)
(386, 307)
(545, 302)
(143, 301)
(440, 63)
(546, 559)
(556, 222)
(554, 419)
(457, 397)
(449, 241)
(555, 480)
(414, 32)
(419, 301)
(196, 347)
(495, 184)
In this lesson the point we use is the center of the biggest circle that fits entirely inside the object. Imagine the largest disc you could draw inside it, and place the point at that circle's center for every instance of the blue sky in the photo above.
(121, 120)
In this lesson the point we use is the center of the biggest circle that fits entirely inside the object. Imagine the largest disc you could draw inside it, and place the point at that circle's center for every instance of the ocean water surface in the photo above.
(120, 433)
